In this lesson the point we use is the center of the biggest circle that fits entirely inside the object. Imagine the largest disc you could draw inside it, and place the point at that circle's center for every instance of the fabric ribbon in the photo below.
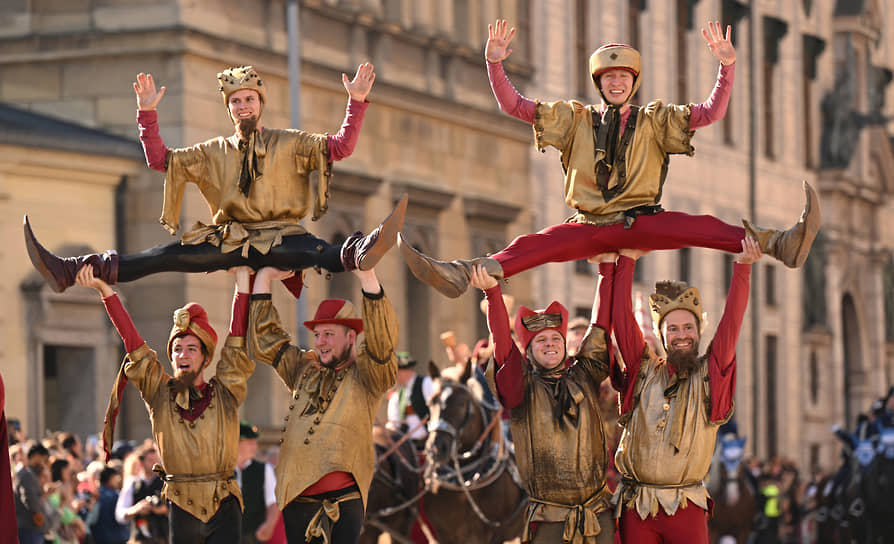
(320, 525)
(568, 394)
(581, 523)
(254, 150)
(607, 136)
(677, 391)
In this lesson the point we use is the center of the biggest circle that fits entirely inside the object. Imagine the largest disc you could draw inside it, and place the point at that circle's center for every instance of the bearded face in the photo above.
(681, 339)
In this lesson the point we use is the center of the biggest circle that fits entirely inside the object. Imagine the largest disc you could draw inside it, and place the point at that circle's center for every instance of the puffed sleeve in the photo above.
(670, 126)
(376, 360)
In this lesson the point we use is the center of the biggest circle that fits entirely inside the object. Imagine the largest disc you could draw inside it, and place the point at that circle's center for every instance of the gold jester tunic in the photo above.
(646, 452)
(564, 469)
(208, 445)
(279, 162)
(331, 412)
(638, 173)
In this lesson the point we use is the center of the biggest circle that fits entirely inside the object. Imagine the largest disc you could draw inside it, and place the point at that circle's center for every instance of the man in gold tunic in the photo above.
(671, 408)
(195, 423)
(614, 158)
(557, 428)
(327, 458)
(257, 185)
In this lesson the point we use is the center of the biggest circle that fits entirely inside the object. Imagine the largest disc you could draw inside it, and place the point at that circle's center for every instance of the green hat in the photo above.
(404, 361)
(246, 431)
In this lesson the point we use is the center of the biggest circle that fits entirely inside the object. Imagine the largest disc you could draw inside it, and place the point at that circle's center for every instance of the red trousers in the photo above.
(575, 241)
(688, 526)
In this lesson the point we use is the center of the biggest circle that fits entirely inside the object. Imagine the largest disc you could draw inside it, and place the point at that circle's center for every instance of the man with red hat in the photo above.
(553, 399)
(195, 423)
(257, 185)
(672, 407)
(615, 190)
(327, 458)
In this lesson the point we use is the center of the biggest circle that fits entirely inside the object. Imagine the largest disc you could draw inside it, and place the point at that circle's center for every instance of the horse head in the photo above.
(457, 416)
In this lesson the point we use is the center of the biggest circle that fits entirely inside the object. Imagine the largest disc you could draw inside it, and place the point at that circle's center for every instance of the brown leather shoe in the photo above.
(449, 278)
(793, 245)
(364, 252)
(60, 272)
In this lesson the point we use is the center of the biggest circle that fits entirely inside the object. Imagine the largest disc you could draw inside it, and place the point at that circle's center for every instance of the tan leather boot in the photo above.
(449, 278)
(793, 245)
(60, 272)
(364, 252)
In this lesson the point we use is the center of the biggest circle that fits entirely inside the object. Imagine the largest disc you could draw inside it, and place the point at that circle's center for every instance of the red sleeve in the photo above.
(722, 359)
(153, 146)
(510, 376)
(606, 286)
(507, 97)
(239, 318)
(627, 332)
(714, 108)
(342, 144)
(121, 319)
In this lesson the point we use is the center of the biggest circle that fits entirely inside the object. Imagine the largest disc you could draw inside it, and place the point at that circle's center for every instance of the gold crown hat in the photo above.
(612, 56)
(243, 77)
(193, 319)
(675, 295)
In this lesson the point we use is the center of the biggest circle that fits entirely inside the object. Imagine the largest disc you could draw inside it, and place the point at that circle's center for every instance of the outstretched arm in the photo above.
(119, 316)
(148, 98)
(722, 358)
(341, 145)
(627, 331)
(509, 377)
(714, 108)
(595, 353)
(499, 36)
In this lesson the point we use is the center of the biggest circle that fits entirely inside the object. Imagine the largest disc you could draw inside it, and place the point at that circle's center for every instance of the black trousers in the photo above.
(296, 252)
(297, 515)
(224, 527)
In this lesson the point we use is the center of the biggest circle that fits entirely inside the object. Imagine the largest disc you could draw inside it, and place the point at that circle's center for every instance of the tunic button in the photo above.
(180, 420)
(202, 416)
(189, 501)
(177, 493)
(661, 424)
(291, 407)
(341, 377)
(665, 407)
(280, 440)
(317, 420)
(215, 499)
(296, 396)
(307, 440)
(204, 511)
(287, 418)
(310, 431)
(283, 429)
(210, 405)
(192, 425)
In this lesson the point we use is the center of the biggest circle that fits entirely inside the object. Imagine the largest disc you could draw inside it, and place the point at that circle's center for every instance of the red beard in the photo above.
(246, 126)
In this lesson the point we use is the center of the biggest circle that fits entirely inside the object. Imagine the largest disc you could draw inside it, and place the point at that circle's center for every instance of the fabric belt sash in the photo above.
(580, 520)
(320, 525)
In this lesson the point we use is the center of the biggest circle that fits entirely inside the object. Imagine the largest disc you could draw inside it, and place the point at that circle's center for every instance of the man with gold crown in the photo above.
(195, 423)
(616, 190)
(327, 458)
(672, 407)
(553, 402)
(256, 183)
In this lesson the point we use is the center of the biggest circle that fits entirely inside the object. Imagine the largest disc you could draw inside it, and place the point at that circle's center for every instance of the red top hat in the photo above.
(530, 322)
(337, 312)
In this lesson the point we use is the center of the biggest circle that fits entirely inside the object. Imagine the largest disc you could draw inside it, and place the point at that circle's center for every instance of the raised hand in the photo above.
(751, 251)
(720, 46)
(499, 36)
(85, 278)
(147, 96)
(359, 87)
(481, 279)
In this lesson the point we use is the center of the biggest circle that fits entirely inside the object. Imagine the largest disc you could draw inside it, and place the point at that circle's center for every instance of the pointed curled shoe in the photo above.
(60, 272)
(791, 246)
(452, 278)
(364, 252)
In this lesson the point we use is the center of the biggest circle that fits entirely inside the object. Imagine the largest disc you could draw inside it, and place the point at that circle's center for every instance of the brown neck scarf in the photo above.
(254, 151)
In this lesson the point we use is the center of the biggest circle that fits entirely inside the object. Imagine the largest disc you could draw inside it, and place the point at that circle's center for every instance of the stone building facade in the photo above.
(811, 101)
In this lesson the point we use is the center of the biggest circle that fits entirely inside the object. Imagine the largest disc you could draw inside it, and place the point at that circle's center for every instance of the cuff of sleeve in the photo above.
(140, 353)
(235, 342)
(606, 268)
(374, 296)
(357, 105)
(145, 117)
(494, 291)
(261, 296)
(742, 268)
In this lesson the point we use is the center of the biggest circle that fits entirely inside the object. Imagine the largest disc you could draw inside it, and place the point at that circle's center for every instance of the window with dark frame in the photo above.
(771, 404)
(770, 295)
(584, 79)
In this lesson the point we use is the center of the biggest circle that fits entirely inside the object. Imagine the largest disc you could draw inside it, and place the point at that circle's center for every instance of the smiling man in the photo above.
(194, 422)
(553, 399)
(257, 184)
(327, 458)
(672, 407)
(614, 158)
